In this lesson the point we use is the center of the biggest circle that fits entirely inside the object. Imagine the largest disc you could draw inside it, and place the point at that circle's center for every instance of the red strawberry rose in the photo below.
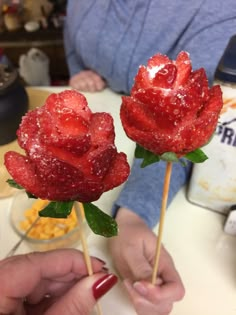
(70, 151)
(171, 107)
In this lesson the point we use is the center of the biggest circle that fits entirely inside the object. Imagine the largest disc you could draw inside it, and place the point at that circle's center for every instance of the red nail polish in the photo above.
(103, 285)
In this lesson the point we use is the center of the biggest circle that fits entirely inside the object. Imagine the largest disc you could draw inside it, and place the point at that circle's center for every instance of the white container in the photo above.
(213, 183)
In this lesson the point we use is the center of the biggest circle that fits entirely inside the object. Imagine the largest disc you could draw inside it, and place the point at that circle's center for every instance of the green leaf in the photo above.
(147, 156)
(100, 222)
(139, 151)
(14, 184)
(196, 156)
(57, 209)
(150, 158)
(31, 195)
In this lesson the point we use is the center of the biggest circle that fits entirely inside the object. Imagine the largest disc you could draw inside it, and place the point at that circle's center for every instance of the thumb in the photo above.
(82, 297)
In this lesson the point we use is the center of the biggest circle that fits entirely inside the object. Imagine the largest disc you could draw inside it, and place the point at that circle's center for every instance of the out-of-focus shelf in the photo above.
(50, 41)
(21, 36)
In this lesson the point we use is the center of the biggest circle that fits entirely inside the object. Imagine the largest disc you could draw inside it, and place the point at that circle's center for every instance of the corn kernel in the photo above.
(47, 228)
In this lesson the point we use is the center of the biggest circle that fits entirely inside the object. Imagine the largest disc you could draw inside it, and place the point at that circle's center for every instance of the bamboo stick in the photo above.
(162, 219)
(87, 257)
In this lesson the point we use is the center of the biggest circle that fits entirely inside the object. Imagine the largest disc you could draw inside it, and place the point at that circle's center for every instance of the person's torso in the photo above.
(114, 37)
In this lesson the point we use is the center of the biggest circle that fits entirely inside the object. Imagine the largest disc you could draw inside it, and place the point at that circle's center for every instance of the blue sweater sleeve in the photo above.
(73, 59)
(143, 191)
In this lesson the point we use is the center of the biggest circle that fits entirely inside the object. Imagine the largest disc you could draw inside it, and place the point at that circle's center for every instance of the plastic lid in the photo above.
(226, 70)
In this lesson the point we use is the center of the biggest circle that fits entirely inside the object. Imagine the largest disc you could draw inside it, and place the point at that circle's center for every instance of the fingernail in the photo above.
(105, 269)
(103, 285)
(99, 259)
(140, 288)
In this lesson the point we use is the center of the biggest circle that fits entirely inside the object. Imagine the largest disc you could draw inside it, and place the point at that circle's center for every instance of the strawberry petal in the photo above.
(183, 64)
(165, 77)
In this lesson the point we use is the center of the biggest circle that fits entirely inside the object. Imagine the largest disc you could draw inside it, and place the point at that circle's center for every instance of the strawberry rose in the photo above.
(70, 151)
(171, 107)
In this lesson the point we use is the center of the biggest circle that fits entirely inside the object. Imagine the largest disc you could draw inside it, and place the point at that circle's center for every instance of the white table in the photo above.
(204, 255)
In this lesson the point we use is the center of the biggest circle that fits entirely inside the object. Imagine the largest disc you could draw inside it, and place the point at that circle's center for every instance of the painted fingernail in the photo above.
(103, 285)
(140, 288)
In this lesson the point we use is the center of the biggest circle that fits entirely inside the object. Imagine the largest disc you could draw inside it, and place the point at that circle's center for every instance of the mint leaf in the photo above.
(196, 156)
(150, 158)
(14, 184)
(100, 222)
(57, 209)
(139, 151)
(147, 156)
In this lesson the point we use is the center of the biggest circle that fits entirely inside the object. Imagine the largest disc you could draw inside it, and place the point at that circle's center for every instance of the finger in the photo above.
(156, 294)
(78, 82)
(100, 84)
(138, 265)
(172, 290)
(96, 81)
(90, 85)
(80, 85)
(51, 289)
(83, 81)
(81, 299)
(170, 277)
(145, 306)
(9, 305)
(29, 270)
(85, 86)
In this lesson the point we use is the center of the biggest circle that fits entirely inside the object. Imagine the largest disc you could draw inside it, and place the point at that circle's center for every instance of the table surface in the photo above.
(204, 255)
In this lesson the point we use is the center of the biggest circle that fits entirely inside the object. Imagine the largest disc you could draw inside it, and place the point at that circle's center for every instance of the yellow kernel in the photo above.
(47, 228)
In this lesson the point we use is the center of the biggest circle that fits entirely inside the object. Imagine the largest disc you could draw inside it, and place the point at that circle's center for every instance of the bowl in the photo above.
(46, 233)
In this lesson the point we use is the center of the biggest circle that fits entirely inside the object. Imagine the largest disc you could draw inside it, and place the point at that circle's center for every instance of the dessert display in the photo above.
(70, 156)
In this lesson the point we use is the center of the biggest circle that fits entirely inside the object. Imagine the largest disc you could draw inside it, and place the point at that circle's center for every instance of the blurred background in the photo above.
(31, 40)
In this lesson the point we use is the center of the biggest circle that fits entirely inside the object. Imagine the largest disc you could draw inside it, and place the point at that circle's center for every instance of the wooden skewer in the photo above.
(162, 219)
(87, 257)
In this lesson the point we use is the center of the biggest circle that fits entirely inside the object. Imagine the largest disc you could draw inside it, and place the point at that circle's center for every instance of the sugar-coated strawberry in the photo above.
(165, 77)
(171, 107)
(184, 66)
(70, 151)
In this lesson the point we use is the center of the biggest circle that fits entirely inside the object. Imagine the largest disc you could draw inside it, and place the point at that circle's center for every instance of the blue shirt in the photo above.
(114, 37)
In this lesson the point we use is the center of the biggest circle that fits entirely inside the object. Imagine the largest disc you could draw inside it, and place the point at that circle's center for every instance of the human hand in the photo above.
(133, 252)
(51, 283)
(87, 81)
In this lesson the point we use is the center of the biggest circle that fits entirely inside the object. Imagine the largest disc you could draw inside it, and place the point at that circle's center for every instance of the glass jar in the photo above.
(213, 183)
